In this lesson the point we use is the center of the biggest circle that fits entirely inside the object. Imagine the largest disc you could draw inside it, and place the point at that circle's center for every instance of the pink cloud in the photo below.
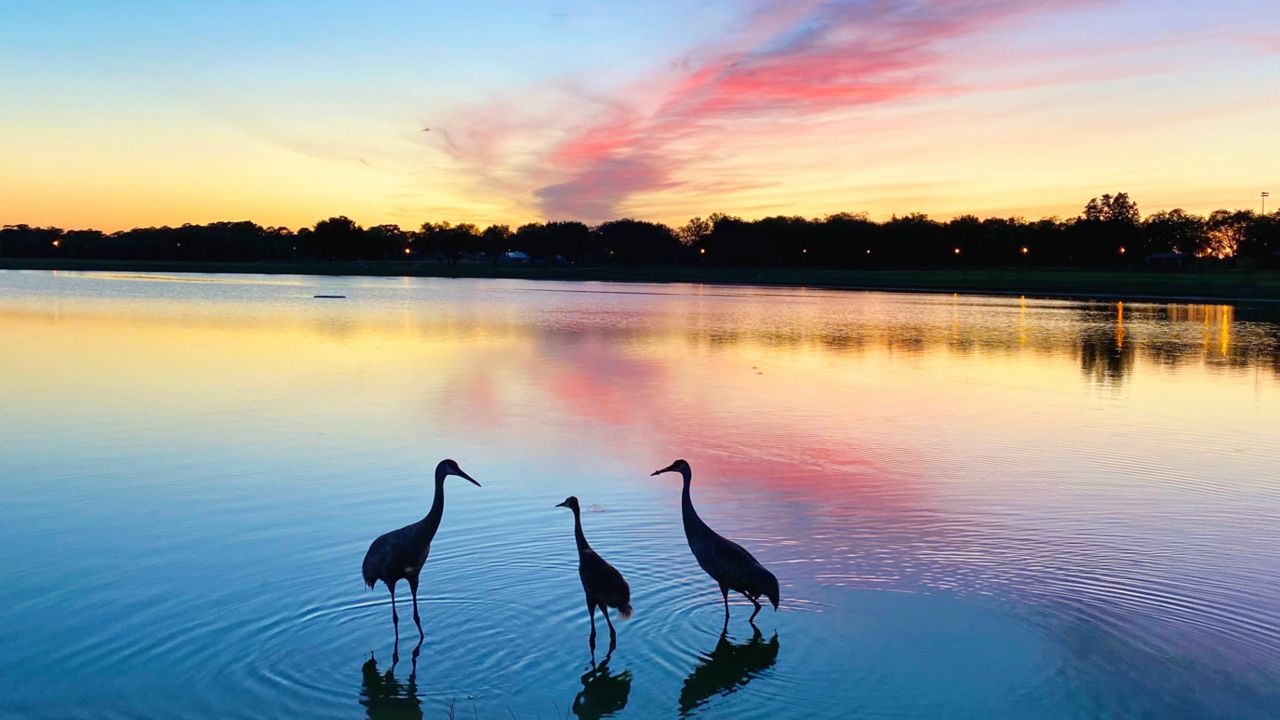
(604, 177)
(1267, 44)
(797, 61)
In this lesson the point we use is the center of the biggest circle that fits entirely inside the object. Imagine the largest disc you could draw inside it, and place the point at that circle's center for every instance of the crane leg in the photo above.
(613, 636)
(413, 587)
(591, 611)
(725, 592)
(395, 619)
(754, 601)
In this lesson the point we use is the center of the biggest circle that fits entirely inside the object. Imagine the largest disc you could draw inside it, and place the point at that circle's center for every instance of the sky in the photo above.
(125, 114)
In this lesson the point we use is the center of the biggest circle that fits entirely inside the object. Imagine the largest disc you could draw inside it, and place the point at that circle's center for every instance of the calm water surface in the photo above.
(977, 507)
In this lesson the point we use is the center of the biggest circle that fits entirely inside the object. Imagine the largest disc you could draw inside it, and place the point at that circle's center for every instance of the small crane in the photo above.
(602, 583)
(400, 554)
(724, 560)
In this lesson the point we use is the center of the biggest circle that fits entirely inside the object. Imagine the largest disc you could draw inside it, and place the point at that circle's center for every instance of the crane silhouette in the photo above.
(602, 583)
(400, 554)
(724, 560)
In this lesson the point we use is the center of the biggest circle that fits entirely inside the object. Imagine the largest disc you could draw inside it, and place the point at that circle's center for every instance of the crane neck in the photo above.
(690, 515)
(578, 536)
(432, 520)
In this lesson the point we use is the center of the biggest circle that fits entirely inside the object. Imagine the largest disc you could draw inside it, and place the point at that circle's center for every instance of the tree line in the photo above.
(1108, 232)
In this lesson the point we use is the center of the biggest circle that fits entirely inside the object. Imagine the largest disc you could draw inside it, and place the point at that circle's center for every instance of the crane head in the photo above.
(679, 466)
(450, 467)
(570, 502)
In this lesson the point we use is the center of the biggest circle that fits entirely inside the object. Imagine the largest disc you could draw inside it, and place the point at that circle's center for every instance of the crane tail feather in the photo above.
(369, 572)
(624, 611)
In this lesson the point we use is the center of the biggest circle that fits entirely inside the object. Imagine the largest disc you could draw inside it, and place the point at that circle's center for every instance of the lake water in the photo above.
(978, 507)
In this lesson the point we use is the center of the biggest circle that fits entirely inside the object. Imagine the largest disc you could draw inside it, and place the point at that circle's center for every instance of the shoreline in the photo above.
(1217, 286)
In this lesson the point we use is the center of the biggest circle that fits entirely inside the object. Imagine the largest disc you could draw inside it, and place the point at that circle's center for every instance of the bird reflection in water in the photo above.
(603, 693)
(384, 697)
(727, 668)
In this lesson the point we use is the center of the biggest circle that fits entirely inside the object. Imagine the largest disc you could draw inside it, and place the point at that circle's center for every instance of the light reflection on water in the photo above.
(978, 507)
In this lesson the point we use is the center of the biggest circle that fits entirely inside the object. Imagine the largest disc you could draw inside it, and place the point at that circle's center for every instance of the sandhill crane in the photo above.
(724, 560)
(400, 554)
(602, 583)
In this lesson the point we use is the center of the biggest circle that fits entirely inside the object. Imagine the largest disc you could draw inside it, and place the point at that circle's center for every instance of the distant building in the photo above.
(1170, 260)
(515, 256)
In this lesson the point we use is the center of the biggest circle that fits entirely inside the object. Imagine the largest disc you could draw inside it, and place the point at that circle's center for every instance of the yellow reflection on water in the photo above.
(1120, 325)
(621, 357)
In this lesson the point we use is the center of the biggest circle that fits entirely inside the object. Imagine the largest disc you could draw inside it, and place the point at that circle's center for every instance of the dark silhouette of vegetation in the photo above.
(1108, 233)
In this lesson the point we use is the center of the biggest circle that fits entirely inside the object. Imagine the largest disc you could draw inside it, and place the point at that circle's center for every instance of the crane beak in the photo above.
(468, 477)
(563, 504)
(668, 468)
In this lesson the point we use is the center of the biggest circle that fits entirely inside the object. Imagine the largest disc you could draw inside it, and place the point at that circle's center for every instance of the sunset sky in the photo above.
(128, 114)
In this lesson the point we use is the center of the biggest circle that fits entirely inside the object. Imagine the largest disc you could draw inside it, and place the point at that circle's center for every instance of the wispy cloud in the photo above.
(810, 60)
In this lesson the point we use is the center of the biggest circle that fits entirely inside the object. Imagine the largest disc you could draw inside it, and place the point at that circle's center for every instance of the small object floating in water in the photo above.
(330, 297)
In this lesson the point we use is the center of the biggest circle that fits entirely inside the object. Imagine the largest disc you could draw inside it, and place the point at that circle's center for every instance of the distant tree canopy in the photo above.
(1111, 208)
(1108, 232)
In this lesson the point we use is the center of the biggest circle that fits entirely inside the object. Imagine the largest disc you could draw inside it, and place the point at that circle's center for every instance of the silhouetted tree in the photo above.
(636, 241)
(1111, 208)
(1261, 238)
(1173, 230)
(496, 240)
(694, 231)
(30, 242)
(545, 242)
(1106, 233)
(388, 242)
(338, 238)
(451, 241)
(1109, 231)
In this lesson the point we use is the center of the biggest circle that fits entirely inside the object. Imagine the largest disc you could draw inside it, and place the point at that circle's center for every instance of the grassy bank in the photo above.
(1222, 284)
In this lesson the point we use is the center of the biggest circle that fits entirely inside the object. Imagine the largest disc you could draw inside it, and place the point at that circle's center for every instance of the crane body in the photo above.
(401, 554)
(603, 585)
(727, 562)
